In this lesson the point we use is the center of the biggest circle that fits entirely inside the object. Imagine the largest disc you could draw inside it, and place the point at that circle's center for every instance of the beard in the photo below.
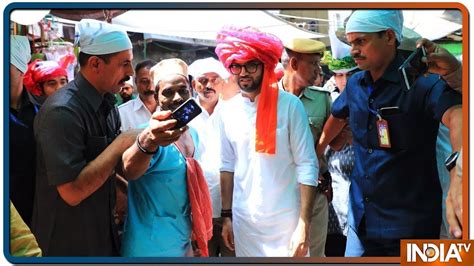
(126, 97)
(254, 86)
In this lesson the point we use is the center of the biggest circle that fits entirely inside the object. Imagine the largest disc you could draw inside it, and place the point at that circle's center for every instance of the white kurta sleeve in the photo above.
(227, 154)
(302, 145)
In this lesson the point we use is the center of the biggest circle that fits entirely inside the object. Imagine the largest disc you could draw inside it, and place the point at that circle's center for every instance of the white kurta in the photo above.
(133, 114)
(207, 128)
(266, 195)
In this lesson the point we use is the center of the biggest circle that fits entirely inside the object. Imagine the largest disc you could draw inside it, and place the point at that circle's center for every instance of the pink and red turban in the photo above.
(245, 44)
(41, 71)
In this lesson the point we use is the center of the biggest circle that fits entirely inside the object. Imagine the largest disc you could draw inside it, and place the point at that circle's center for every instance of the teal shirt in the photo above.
(159, 222)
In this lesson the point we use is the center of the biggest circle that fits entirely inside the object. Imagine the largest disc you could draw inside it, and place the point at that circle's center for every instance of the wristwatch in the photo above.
(450, 162)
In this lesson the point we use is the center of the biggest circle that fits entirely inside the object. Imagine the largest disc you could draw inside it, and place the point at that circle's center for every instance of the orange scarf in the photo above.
(200, 201)
(201, 206)
(245, 44)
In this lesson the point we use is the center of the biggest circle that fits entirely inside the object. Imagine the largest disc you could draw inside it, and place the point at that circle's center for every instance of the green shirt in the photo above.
(317, 104)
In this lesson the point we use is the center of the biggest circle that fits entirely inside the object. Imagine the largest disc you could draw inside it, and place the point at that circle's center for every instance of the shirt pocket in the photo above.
(94, 146)
(400, 131)
(316, 123)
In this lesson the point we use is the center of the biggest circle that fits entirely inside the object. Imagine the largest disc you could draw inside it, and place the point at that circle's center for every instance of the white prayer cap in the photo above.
(98, 38)
(207, 65)
(376, 21)
(130, 81)
(168, 67)
(20, 52)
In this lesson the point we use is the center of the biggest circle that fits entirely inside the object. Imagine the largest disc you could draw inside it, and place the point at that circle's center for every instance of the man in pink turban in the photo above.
(43, 78)
(268, 164)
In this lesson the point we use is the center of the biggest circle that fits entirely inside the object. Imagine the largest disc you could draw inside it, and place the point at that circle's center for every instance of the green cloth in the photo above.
(22, 241)
(334, 64)
(454, 48)
(317, 104)
(119, 100)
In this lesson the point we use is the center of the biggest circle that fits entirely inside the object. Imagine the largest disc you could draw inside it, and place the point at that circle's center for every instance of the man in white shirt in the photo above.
(208, 79)
(301, 60)
(138, 111)
(268, 163)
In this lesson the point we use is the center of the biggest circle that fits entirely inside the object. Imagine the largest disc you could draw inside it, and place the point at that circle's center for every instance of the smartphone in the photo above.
(185, 113)
(413, 67)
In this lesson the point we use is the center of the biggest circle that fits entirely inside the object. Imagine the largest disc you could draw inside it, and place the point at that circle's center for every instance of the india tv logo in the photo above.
(422, 252)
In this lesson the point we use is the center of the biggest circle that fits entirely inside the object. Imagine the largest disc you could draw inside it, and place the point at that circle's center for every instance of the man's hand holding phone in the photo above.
(160, 131)
(413, 67)
(439, 60)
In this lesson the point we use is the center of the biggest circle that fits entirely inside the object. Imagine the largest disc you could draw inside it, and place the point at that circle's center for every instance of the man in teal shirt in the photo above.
(300, 60)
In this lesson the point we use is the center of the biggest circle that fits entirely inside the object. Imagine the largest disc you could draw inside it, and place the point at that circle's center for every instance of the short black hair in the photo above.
(83, 57)
(148, 63)
(381, 33)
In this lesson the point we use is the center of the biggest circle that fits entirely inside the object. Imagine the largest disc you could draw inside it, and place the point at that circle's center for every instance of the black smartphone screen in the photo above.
(185, 113)
(413, 67)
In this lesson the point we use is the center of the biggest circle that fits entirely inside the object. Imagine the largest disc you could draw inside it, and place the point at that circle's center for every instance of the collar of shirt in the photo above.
(391, 73)
(307, 92)
(204, 111)
(88, 92)
(137, 104)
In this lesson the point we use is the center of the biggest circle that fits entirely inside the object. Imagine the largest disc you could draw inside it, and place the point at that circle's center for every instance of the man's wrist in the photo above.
(226, 213)
(454, 78)
(145, 148)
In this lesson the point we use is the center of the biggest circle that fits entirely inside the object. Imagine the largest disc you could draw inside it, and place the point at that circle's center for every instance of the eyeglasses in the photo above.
(250, 67)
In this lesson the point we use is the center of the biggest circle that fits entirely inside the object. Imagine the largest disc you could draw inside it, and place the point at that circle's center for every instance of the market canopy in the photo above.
(429, 24)
(201, 26)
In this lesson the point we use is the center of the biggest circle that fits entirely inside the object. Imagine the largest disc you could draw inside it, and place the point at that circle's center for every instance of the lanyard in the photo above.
(18, 121)
(370, 89)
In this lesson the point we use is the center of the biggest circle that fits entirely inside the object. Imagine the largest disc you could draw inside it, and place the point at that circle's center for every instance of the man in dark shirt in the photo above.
(78, 149)
(395, 191)
(445, 64)
(22, 142)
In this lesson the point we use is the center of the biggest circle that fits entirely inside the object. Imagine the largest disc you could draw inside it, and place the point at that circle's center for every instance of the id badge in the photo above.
(384, 136)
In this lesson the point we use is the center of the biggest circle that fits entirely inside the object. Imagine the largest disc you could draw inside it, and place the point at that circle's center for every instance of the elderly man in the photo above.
(138, 111)
(78, 149)
(22, 142)
(268, 163)
(395, 191)
(300, 59)
(159, 222)
(208, 79)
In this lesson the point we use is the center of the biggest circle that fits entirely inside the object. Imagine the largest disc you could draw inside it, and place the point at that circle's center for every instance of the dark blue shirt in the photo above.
(397, 189)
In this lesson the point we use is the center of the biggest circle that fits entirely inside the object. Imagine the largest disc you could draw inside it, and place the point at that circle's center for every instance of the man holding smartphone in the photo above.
(395, 192)
(159, 220)
(441, 62)
(268, 163)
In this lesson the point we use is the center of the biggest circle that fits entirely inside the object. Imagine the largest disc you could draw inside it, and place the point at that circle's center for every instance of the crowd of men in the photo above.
(277, 167)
